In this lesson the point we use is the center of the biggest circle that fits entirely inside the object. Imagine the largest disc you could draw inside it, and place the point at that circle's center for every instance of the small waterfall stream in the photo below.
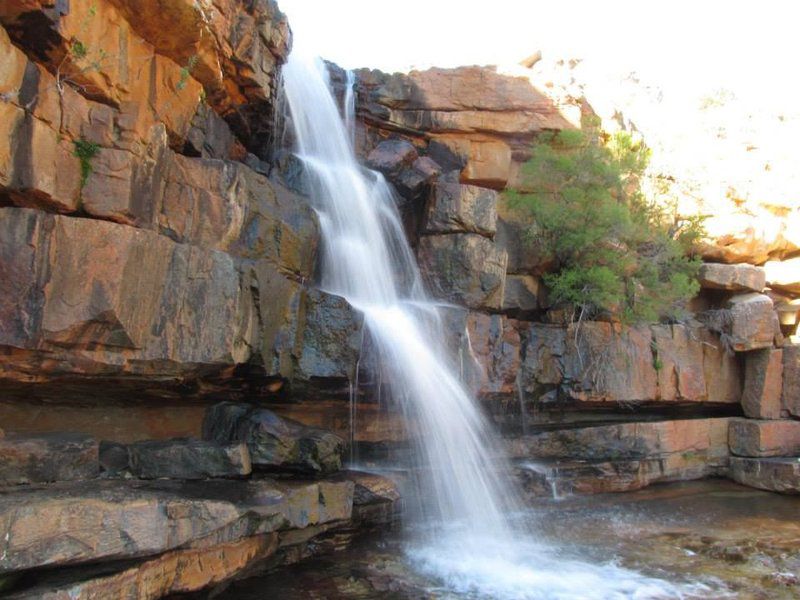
(464, 535)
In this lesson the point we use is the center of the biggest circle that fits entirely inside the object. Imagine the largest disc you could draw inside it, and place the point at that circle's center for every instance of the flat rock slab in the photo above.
(274, 442)
(48, 457)
(742, 277)
(753, 438)
(104, 520)
(188, 459)
(773, 474)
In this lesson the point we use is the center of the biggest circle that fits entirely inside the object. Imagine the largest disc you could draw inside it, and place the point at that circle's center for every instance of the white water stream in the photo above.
(465, 539)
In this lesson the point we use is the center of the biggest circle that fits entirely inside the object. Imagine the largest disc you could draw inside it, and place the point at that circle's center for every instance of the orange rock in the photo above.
(749, 437)
(763, 381)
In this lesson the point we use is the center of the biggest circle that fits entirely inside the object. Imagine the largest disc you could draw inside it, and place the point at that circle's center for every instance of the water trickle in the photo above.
(464, 488)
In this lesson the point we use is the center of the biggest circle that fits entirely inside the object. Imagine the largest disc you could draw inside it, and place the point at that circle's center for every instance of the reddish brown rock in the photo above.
(790, 394)
(763, 382)
(749, 437)
(741, 277)
(47, 457)
(489, 351)
(705, 437)
(177, 572)
(748, 322)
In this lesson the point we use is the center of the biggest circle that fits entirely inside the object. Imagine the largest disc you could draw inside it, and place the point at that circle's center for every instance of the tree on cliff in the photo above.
(617, 252)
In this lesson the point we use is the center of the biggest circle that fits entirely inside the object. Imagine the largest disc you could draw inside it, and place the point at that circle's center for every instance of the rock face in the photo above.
(790, 393)
(464, 268)
(188, 459)
(763, 380)
(474, 117)
(751, 438)
(737, 278)
(274, 442)
(609, 363)
(457, 208)
(623, 457)
(47, 457)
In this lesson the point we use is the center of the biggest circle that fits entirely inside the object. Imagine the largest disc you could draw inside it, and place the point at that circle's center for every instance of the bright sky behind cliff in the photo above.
(748, 47)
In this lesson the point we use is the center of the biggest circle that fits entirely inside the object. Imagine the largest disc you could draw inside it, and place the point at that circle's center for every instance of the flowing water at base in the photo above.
(461, 532)
(708, 540)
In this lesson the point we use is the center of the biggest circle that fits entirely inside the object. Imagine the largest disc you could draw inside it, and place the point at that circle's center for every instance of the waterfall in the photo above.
(464, 534)
(367, 260)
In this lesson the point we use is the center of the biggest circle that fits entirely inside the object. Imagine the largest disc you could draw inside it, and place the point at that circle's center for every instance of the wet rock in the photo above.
(465, 269)
(457, 208)
(763, 382)
(752, 438)
(705, 438)
(773, 474)
(47, 457)
(100, 521)
(748, 322)
(177, 572)
(188, 459)
(790, 394)
(330, 340)
(274, 442)
(784, 275)
(741, 277)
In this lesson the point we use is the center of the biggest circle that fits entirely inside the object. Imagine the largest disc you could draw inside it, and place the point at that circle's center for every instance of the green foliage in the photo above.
(616, 251)
(186, 71)
(78, 49)
(85, 151)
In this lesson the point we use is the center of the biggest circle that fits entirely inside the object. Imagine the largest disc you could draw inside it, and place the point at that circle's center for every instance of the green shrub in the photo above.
(85, 151)
(616, 251)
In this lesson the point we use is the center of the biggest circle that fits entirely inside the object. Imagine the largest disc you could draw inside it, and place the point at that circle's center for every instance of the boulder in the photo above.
(752, 438)
(748, 322)
(790, 393)
(274, 442)
(114, 458)
(763, 383)
(772, 474)
(188, 459)
(742, 277)
(784, 275)
(463, 268)
(458, 208)
(48, 457)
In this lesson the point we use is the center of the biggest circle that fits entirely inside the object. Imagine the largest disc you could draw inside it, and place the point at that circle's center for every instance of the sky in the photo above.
(750, 47)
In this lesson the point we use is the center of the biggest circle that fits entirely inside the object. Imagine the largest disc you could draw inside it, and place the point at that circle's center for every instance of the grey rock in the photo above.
(48, 457)
(274, 442)
(188, 459)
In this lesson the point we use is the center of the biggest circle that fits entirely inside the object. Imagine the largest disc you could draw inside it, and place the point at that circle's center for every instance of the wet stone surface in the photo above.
(733, 541)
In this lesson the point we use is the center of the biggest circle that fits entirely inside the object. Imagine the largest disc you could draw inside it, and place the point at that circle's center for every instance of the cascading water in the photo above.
(466, 496)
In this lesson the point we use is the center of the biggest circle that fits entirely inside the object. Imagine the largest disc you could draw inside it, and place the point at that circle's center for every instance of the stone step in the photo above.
(188, 459)
(754, 438)
(47, 457)
(773, 474)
